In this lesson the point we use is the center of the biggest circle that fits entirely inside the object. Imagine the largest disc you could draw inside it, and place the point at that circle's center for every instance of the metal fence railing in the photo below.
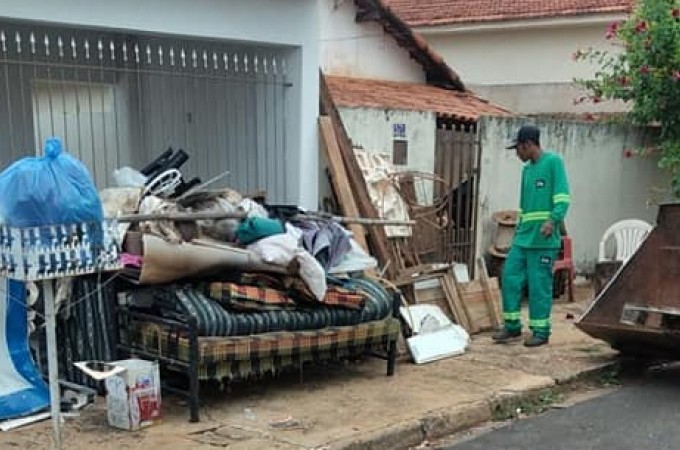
(120, 99)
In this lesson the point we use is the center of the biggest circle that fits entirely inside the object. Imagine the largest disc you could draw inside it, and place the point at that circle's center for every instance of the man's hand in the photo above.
(547, 228)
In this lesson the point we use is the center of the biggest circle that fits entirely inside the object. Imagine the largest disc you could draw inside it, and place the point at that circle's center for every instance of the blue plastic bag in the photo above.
(55, 189)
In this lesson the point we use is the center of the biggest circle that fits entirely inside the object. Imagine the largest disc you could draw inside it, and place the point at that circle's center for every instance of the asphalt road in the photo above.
(644, 415)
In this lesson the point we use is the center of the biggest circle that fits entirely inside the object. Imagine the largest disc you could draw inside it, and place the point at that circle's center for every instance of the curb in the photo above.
(444, 422)
(413, 432)
(590, 372)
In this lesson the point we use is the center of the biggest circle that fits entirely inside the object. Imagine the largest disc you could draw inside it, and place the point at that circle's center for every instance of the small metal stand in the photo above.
(45, 254)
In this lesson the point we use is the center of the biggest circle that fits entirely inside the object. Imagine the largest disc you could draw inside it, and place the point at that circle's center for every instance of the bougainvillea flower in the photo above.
(612, 29)
(641, 27)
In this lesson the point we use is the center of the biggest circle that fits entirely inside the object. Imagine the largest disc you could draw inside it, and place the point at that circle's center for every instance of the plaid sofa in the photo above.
(180, 343)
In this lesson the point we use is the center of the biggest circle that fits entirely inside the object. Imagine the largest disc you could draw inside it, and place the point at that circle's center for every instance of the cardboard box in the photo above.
(133, 399)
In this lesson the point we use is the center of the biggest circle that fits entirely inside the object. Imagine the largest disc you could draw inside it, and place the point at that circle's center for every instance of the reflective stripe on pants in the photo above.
(533, 268)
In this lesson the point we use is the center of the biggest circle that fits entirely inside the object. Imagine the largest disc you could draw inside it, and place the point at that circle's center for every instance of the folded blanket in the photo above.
(249, 298)
(263, 298)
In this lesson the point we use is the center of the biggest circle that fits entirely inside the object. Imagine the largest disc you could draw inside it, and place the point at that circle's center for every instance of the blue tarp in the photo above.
(22, 389)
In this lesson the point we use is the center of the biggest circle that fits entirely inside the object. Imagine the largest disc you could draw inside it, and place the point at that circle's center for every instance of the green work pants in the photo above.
(535, 267)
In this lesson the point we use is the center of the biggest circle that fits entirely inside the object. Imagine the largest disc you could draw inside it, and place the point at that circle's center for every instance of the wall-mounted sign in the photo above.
(399, 131)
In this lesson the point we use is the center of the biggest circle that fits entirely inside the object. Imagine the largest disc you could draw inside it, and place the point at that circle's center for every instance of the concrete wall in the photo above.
(606, 186)
(372, 129)
(290, 23)
(361, 50)
(542, 98)
(526, 67)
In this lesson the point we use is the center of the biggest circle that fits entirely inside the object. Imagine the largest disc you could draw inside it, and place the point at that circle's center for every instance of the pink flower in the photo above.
(641, 27)
(676, 75)
(644, 70)
(627, 153)
(624, 81)
(612, 30)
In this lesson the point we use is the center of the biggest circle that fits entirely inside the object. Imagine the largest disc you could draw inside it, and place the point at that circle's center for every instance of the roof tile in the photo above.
(364, 93)
(441, 12)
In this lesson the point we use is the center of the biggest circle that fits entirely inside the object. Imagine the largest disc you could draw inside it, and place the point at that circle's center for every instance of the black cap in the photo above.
(525, 134)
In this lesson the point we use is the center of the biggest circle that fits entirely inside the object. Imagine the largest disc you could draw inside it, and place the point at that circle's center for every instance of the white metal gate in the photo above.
(120, 99)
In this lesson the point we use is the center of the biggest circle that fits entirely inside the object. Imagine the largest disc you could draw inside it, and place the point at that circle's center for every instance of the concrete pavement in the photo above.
(354, 405)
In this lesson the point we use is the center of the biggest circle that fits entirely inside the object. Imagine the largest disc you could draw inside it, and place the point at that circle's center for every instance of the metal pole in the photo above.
(52, 364)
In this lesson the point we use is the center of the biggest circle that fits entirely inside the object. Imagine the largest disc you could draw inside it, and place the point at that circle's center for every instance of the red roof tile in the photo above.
(364, 93)
(440, 12)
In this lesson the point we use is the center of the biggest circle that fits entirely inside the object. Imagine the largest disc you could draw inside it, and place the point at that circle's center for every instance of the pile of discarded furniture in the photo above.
(365, 185)
(219, 286)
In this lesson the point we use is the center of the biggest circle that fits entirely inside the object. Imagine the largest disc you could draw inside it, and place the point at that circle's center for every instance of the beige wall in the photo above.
(361, 50)
(605, 186)
(542, 98)
(527, 68)
(372, 129)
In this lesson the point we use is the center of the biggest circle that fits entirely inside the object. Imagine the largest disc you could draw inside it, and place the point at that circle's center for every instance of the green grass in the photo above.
(512, 408)
(534, 404)
(610, 377)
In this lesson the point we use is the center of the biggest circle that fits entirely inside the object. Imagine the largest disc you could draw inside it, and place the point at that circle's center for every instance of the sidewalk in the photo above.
(353, 406)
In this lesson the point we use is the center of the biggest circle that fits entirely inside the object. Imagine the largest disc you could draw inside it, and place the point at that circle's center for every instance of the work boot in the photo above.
(535, 341)
(505, 336)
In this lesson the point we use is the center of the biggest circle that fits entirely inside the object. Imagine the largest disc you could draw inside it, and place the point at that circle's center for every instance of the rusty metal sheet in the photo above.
(637, 311)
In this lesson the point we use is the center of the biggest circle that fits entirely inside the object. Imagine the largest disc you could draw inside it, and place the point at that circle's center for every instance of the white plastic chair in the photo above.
(629, 234)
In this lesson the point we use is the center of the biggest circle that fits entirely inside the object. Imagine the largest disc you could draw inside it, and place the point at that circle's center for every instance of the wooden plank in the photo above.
(339, 178)
(178, 217)
(472, 295)
(456, 304)
(408, 281)
(377, 236)
(423, 269)
(464, 305)
(491, 299)
(472, 306)
(474, 301)
(429, 294)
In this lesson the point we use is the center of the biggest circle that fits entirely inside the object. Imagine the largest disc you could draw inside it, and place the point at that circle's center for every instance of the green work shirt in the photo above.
(544, 196)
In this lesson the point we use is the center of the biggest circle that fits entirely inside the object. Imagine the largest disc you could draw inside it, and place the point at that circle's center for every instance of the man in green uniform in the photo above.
(544, 200)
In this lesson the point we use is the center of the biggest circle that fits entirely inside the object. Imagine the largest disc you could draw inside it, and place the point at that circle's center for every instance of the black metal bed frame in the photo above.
(191, 368)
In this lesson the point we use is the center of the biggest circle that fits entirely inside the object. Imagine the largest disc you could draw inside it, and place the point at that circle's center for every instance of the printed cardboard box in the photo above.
(133, 399)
